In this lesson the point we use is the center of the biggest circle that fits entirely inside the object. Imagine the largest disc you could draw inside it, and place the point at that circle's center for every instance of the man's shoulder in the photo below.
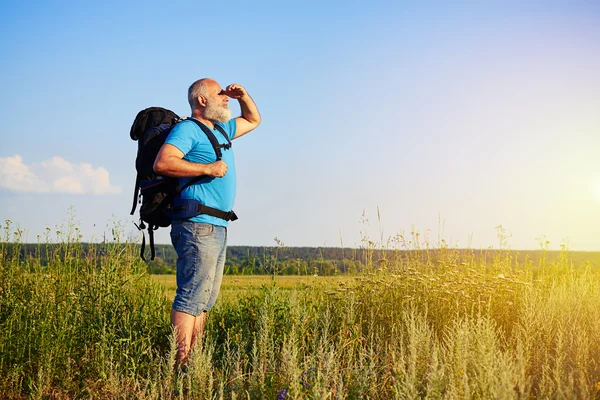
(186, 124)
(183, 136)
(184, 128)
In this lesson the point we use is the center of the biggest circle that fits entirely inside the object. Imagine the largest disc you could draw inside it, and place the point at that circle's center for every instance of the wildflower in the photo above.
(304, 377)
(282, 394)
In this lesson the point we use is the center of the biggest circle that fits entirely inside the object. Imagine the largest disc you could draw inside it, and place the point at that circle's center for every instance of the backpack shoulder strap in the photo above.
(220, 129)
(211, 137)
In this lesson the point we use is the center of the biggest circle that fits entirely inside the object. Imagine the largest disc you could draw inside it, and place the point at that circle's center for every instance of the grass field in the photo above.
(234, 286)
(95, 325)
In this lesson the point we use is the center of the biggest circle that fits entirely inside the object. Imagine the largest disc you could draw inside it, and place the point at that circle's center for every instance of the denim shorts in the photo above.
(200, 261)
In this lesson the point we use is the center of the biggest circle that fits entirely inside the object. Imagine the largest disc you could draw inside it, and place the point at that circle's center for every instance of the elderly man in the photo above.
(201, 241)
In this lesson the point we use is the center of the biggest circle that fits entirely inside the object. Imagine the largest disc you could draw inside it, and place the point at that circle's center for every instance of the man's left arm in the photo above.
(250, 117)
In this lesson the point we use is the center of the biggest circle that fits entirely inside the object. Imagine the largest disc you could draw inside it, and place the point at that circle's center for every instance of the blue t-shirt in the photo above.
(214, 192)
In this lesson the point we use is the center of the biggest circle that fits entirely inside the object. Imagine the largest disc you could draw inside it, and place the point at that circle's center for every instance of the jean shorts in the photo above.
(200, 261)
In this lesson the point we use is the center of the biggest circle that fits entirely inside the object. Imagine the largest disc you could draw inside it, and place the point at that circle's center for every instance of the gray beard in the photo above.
(216, 112)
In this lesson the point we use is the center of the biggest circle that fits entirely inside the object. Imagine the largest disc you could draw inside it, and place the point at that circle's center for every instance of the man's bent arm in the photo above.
(170, 162)
(250, 118)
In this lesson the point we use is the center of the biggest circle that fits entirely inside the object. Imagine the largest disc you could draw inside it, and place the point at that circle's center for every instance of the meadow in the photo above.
(443, 324)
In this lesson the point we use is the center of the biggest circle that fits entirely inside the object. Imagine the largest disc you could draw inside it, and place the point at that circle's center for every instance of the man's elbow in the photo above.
(252, 118)
(254, 123)
(159, 166)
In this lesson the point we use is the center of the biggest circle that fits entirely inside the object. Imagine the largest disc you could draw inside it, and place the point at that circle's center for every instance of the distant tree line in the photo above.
(254, 260)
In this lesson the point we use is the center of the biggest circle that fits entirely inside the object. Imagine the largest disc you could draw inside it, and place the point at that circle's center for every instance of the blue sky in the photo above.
(450, 118)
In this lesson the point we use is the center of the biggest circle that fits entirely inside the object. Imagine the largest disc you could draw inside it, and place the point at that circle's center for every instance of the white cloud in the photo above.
(55, 175)
(58, 163)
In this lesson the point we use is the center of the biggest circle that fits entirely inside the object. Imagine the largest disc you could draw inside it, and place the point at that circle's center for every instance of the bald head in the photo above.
(199, 88)
(208, 101)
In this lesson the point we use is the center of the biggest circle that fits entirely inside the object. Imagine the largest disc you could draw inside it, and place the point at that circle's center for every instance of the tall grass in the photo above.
(75, 323)
(425, 323)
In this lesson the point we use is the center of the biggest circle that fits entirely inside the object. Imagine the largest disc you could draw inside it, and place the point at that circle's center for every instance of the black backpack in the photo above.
(158, 195)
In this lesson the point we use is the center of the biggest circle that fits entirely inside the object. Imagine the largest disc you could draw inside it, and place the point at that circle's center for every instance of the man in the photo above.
(201, 241)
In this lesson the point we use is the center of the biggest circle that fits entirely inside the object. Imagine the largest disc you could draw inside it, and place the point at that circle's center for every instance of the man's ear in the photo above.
(201, 101)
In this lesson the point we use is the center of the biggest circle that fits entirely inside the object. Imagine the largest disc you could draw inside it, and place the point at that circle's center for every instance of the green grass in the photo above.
(449, 326)
(234, 286)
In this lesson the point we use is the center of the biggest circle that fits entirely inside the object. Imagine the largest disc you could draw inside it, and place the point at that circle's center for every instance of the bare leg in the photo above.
(185, 331)
(198, 331)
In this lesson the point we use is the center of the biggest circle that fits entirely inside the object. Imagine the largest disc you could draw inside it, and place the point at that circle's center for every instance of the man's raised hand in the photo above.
(235, 91)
